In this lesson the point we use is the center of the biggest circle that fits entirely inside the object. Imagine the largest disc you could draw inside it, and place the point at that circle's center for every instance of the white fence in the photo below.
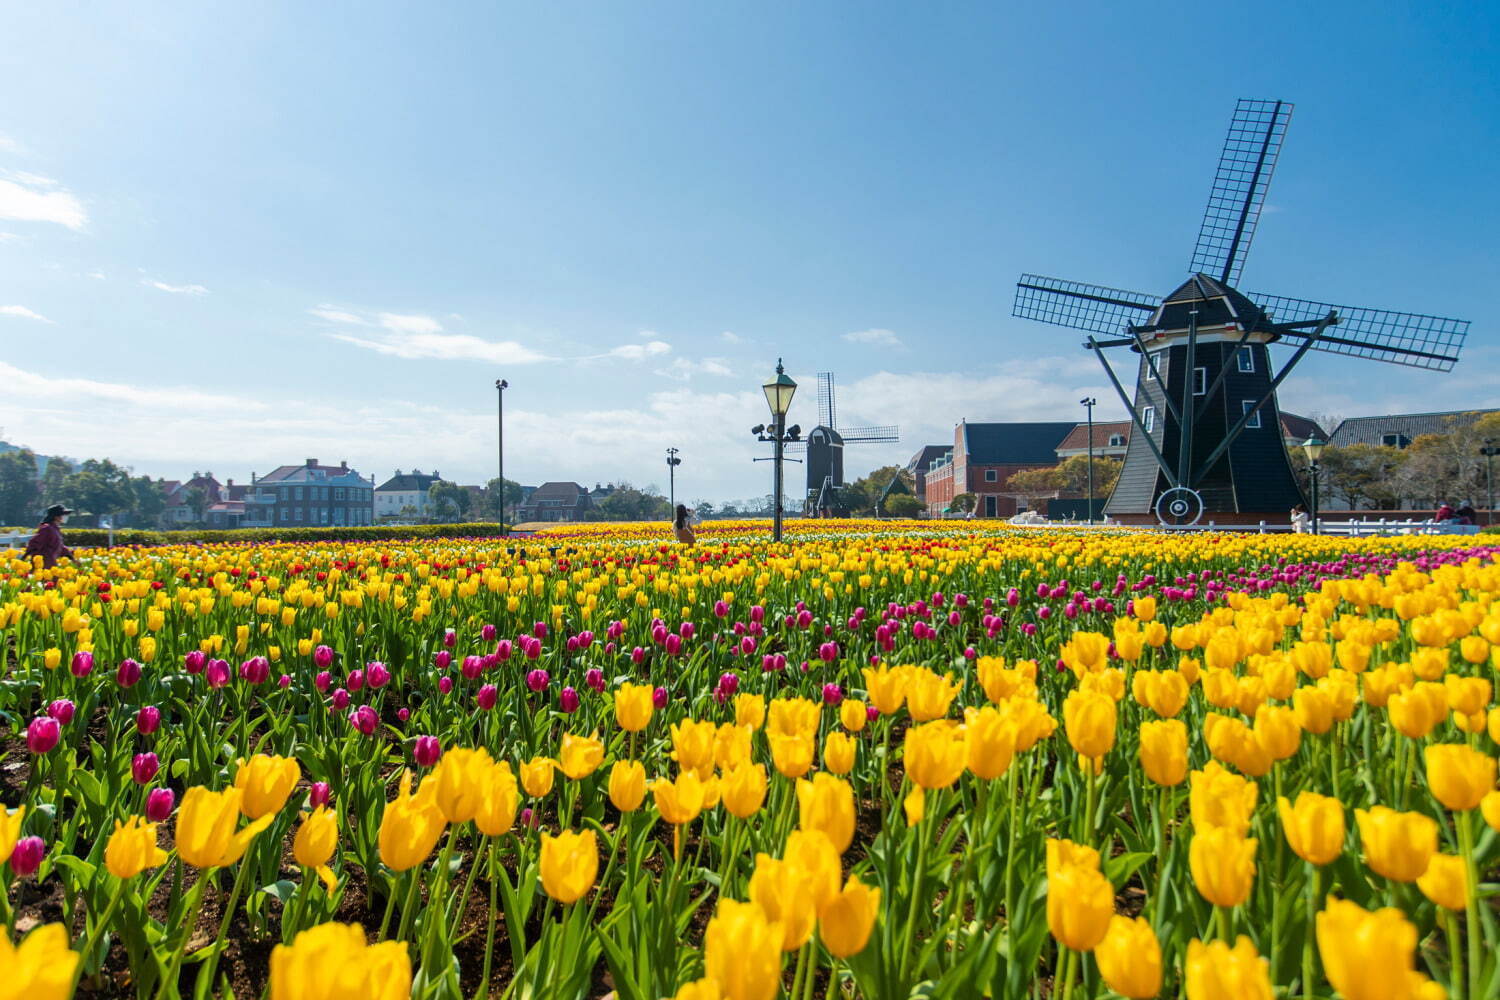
(1351, 528)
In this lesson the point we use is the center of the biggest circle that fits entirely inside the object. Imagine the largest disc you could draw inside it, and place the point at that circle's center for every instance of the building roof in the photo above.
(1014, 444)
(408, 482)
(305, 472)
(1216, 305)
(1301, 428)
(569, 492)
(1078, 437)
(923, 459)
(1372, 430)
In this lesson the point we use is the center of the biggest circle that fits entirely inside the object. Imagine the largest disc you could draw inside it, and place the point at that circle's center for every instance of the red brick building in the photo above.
(982, 460)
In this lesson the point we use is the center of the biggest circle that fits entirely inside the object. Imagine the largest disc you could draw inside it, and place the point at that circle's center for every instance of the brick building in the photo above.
(309, 495)
(557, 501)
(984, 457)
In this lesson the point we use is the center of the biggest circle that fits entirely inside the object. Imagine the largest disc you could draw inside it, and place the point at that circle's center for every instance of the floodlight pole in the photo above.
(1312, 470)
(500, 386)
(1089, 403)
(672, 463)
(1489, 451)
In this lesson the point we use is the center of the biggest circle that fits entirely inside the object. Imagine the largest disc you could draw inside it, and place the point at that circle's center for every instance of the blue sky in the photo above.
(237, 235)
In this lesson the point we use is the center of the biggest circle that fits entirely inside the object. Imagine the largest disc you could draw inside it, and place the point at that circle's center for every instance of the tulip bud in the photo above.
(487, 633)
(450, 638)
(322, 657)
(568, 700)
(195, 661)
(537, 680)
(487, 697)
(82, 663)
(27, 856)
(659, 698)
(143, 768)
(355, 680)
(403, 713)
(159, 804)
(128, 673)
(319, 794)
(377, 674)
(445, 685)
(340, 699)
(62, 710)
(441, 659)
(365, 720)
(832, 694)
(148, 720)
(427, 750)
(594, 678)
(43, 734)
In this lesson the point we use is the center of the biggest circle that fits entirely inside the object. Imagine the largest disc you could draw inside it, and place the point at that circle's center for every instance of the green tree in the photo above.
(489, 505)
(902, 505)
(196, 501)
(99, 487)
(148, 501)
(626, 503)
(19, 500)
(963, 503)
(53, 487)
(864, 491)
(448, 502)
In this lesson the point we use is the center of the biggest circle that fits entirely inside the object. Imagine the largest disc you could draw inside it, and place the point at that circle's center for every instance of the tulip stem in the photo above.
(212, 964)
(390, 906)
(1091, 800)
(489, 934)
(87, 951)
(168, 986)
(1314, 874)
(1069, 966)
(1225, 919)
(1455, 954)
(1011, 805)
(918, 875)
(1471, 898)
(409, 905)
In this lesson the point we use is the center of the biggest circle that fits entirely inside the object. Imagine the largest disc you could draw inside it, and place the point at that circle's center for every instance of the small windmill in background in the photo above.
(824, 445)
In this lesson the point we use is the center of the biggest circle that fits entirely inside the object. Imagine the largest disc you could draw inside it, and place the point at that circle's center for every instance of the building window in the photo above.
(1117, 440)
(1200, 381)
(991, 476)
(1156, 364)
(284, 513)
(296, 493)
(989, 505)
(1395, 440)
(1246, 359)
(286, 493)
(338, 493)
(297, 515)
(1254, 422)
(1148, 419)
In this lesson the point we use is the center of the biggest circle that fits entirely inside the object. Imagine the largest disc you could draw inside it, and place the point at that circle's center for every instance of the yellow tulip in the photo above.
(315, 842)
(499, 799)
(1221, 798)
(742, 952)
(852, 714)
(915, 805)
(928, 694)
(1080, 902)
(10, 830)
(1001, 682)
(1216, 971)
(678, 801)
(1277, 731)
(732, 746)
(791, 753)
(580, 755)
(886, 687)
(1223, 865)
(1366, 956)
(743, 790)
(1459, 776)
(813, 854)
(1474, 649)
(40, 968)
(410, 828)
(1398, 845)
(1066, 854)
(1144, 609)
(1085, 652)
(206, 835)
(132, 848)
(1445, 881)
(847, 921)
(627, 785)
(1414, 713)
(935, 754)
(1162, 691)
(1314, 827)
(989, 741)
(1490, 807)
(633, 706)
(1129, 958)
(569, 864)
(267, 783)
(693, 745)
(838, 752)
(536, 776)
(1314, 707)
(749, 710)
(826, 803)
(781, 891)
(333, 960)
(1466, 695)
(1089, 718)
(701, 989)
(457, 782)
(1164, 751)
(794, 717)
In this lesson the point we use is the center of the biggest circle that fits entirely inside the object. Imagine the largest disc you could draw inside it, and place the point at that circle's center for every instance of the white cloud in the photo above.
(730, 337)
(23, 313)
(638, 352)
(97, 274)
(29, 198)
(8, 237)
(878, 337)
(397, 323)
(176, 289)
(334, 314)
(71, 393)
(681, 369)
(10, 144)
(444, 347)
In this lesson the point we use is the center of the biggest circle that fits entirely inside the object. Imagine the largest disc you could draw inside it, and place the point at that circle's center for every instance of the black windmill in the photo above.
(824, 445)
(1207, 432)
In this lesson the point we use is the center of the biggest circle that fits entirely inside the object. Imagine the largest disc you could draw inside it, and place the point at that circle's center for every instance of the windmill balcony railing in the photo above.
(1351, 528)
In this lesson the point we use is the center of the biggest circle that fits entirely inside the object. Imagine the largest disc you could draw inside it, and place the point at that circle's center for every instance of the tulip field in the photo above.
(884, 760)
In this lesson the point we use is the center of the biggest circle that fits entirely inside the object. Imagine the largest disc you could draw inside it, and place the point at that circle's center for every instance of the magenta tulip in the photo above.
(82, 664)
(62, 710)
(159, 804)
(322, 657)
(144, 767)
(377, 674)
(148, 720)
(27, 856)
(216, 673)
(319, 794)
(487, 697)
(195, 661)
(364, 720)
(128, 673)
(568, 700)
(43, 734)
(427, 750)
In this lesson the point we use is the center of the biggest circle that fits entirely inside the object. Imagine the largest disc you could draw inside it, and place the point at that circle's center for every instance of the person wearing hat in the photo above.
(48, 540)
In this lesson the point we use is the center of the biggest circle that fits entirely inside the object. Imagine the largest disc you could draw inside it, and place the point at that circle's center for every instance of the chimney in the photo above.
(436, 474)
(343, 465)
(312, 462)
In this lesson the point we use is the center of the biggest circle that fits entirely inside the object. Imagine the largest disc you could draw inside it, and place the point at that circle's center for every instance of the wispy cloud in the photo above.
(444, 347)
(682, 370)
(638, 352)
(334, 314)
(730, 337)
(10, 144)
(68, 392)
(175, 289)
(877, 337)
(22, 312)
(29, 198)
(398, 323)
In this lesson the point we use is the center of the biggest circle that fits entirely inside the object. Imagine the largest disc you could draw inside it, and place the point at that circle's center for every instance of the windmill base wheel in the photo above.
(1179, 506)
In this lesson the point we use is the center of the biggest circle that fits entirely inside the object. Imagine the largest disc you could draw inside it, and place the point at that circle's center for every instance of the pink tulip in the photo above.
(322, 657)
(832, 694)
(441, 659)
(426, 751)
(159, 804)
(503, 649)
(487, 633)
(319, 794)
(403, 713)
(43, 734)
(148, 720)
(195, 661)
(828, 652)
(721, 610)
(659, 697)
(365, 720)
(539, 630)
(216, 673)
(487, 697)
(62, 710)
(340, 699)
(450, 638)
(27, 856)
(82, 664)
(871, 713)
(686, 630)
(445, 685)
(323, 681)
(594, 678)
(377, 674)
(673, 644)
(128, 673)
(256, 670)
(568, 700)
(355, 680)
(637, 655)
(143, 768)
(537, 680)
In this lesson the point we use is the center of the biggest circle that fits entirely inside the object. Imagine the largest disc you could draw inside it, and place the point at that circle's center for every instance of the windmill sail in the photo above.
(826, 414)
(1411, 339)
(1094, 308)
(1255, 135)
(852, 435)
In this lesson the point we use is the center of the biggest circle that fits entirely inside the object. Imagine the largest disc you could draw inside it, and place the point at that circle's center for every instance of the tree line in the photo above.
(94, 487)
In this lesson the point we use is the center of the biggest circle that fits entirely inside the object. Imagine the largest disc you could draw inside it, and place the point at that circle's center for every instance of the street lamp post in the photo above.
(1313, 448)
(779, 391)
(1090, 402)
(672, 463)
(1489, 451)
(500, 386)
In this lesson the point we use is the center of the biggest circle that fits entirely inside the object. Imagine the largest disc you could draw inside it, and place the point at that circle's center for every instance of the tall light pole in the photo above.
(1489, 451)
(500, 386)
(1089, 403)
(672, 463)
(779, 391)
(1313, 448)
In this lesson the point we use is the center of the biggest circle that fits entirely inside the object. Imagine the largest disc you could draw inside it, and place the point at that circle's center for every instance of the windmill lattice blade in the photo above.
(1400, 338)
(826, 414)
(1245, 166)
(1094, 308)
(853, 435)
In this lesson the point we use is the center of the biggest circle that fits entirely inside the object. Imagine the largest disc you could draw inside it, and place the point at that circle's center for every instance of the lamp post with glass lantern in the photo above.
(1313, 449)
(500, 386)
(672, 463)
(779, 391)
(1489, 451)
(1090, 402)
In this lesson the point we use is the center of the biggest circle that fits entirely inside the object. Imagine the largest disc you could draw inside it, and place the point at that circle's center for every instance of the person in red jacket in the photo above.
(48, 540)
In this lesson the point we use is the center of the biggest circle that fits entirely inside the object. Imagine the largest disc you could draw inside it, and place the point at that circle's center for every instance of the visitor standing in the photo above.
(1300, 520)
(48, 540)
(682, 526)
(1444, 513)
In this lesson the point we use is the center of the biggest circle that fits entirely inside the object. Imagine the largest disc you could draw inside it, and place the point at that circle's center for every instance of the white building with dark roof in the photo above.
(404, 490)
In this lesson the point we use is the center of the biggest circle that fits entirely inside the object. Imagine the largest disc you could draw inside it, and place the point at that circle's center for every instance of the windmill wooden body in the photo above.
(824, 445)
(1206, 435)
